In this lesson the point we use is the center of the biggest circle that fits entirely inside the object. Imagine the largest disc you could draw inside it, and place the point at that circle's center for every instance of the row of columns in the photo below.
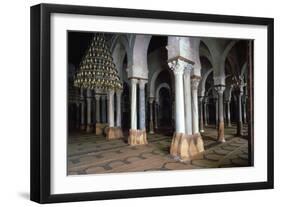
(138, 135)
(223, 112)
(100, 109)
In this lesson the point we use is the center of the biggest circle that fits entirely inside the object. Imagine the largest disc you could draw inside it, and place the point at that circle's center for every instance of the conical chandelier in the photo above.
(97, 70)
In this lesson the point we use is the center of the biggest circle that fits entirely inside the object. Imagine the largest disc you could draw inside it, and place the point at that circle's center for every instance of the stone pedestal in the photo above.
(100, 128)
(82, 127)
(89, 128)
(137, 137)
(113, 133)
(187, 147)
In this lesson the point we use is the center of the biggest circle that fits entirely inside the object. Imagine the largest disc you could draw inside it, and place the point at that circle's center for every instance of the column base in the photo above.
(221, 132)
(187, 147)
(202, 130)
(239, 129)
(113, 133)
(100, 128)
(82, 127)
(151, 131)
(137, 137)
(89, 128)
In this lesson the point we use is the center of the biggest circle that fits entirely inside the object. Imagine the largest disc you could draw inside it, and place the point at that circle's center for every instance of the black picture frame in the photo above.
(40, 102)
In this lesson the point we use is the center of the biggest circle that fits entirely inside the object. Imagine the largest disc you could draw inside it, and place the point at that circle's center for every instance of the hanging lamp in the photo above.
(97, 70)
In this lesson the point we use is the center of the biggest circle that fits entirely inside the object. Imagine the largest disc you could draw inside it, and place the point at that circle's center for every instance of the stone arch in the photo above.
(139, 57)
(120, 50)
(203, 81)
(162, 85)
(224, 55)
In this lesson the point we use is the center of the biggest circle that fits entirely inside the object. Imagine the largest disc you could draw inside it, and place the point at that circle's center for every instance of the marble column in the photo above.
(99, 127)
(118, 113)
(78, 114)
(185, 145)
(220, 89)
(201, 119)
(82, 116)
(89, 127)
(228, 114)
(179, 97)
(244, 111)
(206, 113)
(103, 109)
(217, 112)
(151, 125)
(97, 97)
(239, 93)
(156, 110)
(134, 104)
(137, 137)
(142, 104)
(110, 108)
(187, 101)
(194, 89)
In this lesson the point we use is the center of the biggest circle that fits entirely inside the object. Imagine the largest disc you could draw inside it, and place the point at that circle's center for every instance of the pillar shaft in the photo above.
(156, 108)
(97, 108)
(82, 116)
(151, 124)
(110, 108)
(206, 113)
(134, 104)
(228, 114)
(201, 125)
(103, 109)
(178, 69)
(142, 104)
(195, 114)
(77, 114)
(118, 114)
(89, 106)
(187, 101)
(239, 121)
(220, 90)
(244, 112)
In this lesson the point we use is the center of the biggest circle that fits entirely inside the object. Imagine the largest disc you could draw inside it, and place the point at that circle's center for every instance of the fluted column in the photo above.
(103, 109)
(194, 92)
(97, 97)
(228, 114)
(201, 119)
(118, 114)
(134, 104)
(151, 125)
(239, 93)
(110, 108)
(82, 116)
(220, 89)
(142, 104)
(187, 100)
(89, 111)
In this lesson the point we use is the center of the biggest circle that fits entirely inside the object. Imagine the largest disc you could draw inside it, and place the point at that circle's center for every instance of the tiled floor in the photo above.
(88, 153)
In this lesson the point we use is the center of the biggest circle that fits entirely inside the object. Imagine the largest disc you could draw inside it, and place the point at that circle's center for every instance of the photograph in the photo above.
(146, 102)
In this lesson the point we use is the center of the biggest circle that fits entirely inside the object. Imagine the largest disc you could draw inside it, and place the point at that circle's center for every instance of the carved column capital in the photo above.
(180, 66)
(151, 99)
(142, 83)
(220, 89)
(195, 83)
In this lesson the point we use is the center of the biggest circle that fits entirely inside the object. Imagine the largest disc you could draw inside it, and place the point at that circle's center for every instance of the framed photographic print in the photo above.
(133, 103)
